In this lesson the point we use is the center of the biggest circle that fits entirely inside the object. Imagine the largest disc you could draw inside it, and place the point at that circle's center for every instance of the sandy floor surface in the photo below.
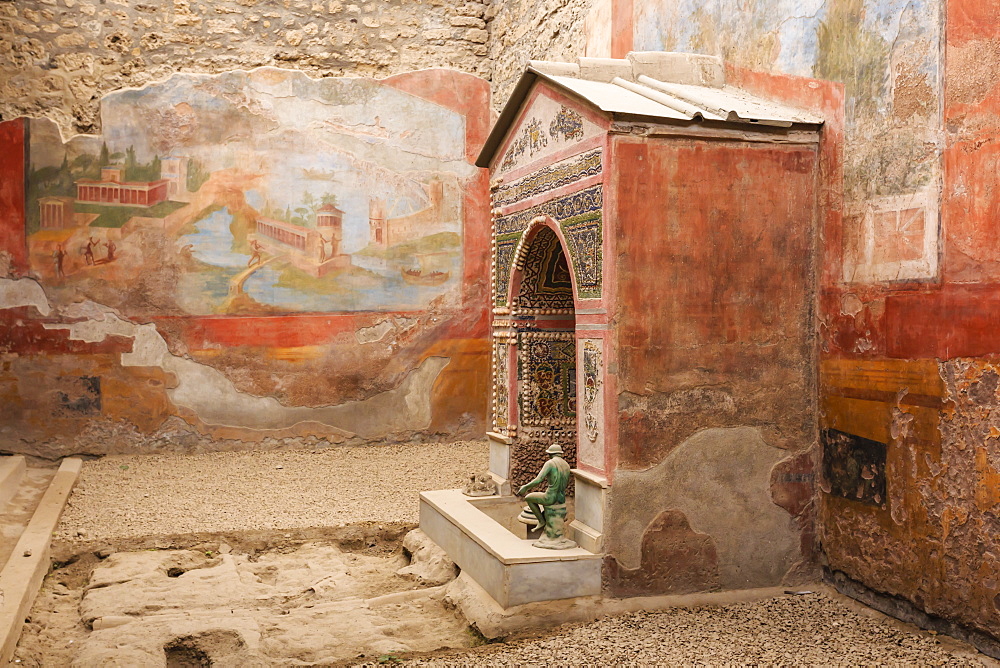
(128, 496)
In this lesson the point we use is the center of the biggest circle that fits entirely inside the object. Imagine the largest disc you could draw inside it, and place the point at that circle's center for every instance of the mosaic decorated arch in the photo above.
(535, 351)
(541, 277)
(548, 238)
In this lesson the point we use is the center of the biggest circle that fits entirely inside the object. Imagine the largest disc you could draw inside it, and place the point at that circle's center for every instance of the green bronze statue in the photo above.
(548, 508)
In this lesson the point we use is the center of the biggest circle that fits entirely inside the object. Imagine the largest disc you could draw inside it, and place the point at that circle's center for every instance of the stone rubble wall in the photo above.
(59, 57)
(523, 30)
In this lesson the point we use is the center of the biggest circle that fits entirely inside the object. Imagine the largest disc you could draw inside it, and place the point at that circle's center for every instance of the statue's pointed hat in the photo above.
(554, 449)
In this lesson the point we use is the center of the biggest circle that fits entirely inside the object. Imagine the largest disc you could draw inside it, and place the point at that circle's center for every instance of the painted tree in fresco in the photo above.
(885, 156)
(197, 175)
(136, 171)
(305, 213)
(59, 182)
(852, 54)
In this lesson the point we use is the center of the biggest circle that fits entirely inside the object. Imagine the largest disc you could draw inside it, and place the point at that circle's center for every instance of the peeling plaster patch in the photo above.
(964, 496)
(23, 292)
(100, 324)
(216, 401)
(374, 333)
(675, 560)
(850, 304)
(902, 421)
(404, 324)
(720, 479)
(6, 264)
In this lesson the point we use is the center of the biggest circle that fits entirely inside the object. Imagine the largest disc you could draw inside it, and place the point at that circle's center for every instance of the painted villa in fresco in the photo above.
(224, 195)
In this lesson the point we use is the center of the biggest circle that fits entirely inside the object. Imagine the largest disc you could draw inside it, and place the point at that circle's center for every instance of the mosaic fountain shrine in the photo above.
(653, 228)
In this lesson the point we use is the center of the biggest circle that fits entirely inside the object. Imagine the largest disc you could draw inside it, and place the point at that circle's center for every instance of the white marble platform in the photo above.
(510, 569)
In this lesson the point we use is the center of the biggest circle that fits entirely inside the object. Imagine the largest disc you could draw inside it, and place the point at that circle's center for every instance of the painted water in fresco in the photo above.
(254, 192)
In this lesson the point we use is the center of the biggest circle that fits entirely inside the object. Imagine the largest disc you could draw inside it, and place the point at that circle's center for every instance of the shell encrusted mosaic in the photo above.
(570, 170)
(579, 216)
(548, 379)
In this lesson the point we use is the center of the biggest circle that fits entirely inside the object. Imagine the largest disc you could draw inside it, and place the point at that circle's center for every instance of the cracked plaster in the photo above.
(720, 480)
(214, 398)
(15, 293)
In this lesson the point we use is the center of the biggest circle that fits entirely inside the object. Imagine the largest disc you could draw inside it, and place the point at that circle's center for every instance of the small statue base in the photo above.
(558, 544)
(554, 537)
(528, 517)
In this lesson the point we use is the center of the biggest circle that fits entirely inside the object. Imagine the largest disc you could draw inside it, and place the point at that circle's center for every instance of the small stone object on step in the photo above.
(480, 484)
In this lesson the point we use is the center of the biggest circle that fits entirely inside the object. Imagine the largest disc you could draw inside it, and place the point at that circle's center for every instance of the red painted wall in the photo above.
(715, 250)
(912, 365)
(715, 283)
(13, 142)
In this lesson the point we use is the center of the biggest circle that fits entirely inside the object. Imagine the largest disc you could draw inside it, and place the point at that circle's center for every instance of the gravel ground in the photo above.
(128, 496)
(125, 497)
(809, 630)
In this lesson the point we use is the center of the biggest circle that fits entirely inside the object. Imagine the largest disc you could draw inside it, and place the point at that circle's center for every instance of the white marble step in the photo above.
(12, 469)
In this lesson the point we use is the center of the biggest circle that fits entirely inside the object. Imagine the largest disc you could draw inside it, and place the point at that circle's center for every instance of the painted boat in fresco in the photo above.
(421, 277)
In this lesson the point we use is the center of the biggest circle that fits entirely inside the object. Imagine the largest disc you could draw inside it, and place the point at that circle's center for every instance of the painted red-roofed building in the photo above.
(112, 190)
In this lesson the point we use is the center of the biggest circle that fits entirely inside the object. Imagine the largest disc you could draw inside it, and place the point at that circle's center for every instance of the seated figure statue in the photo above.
(549, 507)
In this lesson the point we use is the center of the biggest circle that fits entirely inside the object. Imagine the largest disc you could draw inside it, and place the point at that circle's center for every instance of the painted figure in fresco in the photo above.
(110, 245)
(59, 255)
(549, 507)
(255, 250)
(323, 241)
(88, 250)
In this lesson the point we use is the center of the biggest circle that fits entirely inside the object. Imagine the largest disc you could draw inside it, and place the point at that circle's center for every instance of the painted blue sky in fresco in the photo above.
(675, 25)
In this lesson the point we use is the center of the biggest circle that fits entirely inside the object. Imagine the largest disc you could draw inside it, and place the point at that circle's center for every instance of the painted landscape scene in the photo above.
(253, 193)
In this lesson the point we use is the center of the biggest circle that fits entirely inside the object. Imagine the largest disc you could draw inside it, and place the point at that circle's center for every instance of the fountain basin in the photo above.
(509, 568)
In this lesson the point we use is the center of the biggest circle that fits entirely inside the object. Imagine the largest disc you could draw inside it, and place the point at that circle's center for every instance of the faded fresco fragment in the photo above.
(887, 55)
(269, 256)
(253, 193)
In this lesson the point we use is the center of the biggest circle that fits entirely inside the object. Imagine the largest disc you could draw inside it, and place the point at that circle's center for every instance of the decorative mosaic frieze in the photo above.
(547, 370)
(530, 141)
(501, 405)
(585, 238)
(569, 206)
(579, 218)
(503, 261)
(591, 388)
(549, 178)
(568, 124)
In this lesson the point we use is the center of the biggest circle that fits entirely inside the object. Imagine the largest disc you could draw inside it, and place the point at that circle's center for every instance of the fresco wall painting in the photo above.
(207, 180)
(909, 264)
(887, 55)
(230, 208)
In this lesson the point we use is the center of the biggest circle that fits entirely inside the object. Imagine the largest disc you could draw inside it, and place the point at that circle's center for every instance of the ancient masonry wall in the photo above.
(59, 57)
(523, 30)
